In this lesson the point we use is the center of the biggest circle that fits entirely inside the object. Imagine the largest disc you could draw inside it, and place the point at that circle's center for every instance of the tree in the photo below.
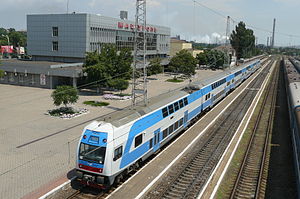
(123, 67)
(64, 95)
(155, 67)
(109, 64)
(91, 58)
(202, 58)
(1, 73)
(183, 62)
(119, 84)
(243, 41)
(17, 39)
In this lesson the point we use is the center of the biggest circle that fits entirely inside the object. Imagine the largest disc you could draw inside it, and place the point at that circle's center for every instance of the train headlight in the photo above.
(81, 157)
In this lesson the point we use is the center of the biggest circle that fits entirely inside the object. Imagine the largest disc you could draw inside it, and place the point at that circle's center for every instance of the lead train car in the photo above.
(111, 148)
(293, 85)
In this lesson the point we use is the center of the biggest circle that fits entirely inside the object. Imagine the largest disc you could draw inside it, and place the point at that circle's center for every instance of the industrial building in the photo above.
(67, 37)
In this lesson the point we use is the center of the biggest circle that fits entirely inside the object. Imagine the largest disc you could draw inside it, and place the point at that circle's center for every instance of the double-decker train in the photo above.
(109, 149)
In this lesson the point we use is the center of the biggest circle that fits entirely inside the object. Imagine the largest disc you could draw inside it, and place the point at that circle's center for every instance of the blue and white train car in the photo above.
(111, 148)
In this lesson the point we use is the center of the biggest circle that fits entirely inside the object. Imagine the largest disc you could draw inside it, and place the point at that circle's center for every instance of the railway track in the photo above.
(87, 194)
(188, 177)
(251, 179)
(203, 148)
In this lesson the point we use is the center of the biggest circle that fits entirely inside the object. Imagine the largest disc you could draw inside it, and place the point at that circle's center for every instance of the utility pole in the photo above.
(139, 78)
(273, 34)
(268, 41)
(227, 40)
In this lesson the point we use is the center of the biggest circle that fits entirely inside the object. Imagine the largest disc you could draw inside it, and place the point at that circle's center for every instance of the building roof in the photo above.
(224, 47)
(42, 67)
(175, 40)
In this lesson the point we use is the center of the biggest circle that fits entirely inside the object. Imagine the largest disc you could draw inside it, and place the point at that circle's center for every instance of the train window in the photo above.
(171, 109)
(165, 133)
(228, 83)
(181, 122)
(165, 112)
(176, 125)
(185, 101)
(208, 95)
(171, 129)
(138, 140)
(118, 153)
(176, 105)
(151, 143)
(181, 103)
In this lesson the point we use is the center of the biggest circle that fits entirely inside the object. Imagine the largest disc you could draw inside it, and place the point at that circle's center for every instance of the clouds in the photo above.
(213, 38)
(190, 20)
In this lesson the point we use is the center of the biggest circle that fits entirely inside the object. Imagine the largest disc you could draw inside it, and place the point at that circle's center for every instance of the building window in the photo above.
(11, 77)
(21, 77)
(55, 31)
(55, 45)
(32, 79)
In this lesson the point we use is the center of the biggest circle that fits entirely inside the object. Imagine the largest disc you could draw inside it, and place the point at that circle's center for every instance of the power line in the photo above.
(234, 21)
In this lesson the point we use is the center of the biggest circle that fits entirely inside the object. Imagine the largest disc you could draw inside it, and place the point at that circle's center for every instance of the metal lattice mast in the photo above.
(139, 74)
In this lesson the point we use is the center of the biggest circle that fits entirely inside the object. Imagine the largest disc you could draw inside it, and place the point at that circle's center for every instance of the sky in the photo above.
(187, 18)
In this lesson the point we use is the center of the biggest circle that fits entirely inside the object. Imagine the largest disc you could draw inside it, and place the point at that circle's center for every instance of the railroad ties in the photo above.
(251, 179)
(188, 177)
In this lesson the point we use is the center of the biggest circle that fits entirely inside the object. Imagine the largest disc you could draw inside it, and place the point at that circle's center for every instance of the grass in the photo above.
(96, 103)
(61, 111)
(174, 80)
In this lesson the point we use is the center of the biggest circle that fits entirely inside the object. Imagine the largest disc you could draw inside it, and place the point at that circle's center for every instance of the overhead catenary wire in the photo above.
(235, 21)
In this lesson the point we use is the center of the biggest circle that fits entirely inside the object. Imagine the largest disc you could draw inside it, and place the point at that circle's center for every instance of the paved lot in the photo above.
(36, 149)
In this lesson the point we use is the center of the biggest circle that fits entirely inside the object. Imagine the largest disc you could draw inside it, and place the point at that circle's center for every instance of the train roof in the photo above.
(129, 114)
(204, 82)
(292, 73)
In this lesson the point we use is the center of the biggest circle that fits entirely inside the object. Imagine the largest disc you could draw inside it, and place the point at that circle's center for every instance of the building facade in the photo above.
(178, 45)
(67, 37)
(40, 74)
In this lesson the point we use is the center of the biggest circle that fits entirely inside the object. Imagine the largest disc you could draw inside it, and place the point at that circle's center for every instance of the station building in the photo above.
(58, 44)
(67, 37)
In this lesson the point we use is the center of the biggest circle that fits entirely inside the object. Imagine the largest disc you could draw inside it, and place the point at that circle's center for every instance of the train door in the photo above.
(185, 118)
(156, 140)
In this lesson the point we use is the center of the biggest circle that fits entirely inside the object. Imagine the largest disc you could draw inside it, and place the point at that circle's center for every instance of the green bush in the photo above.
(96, 103)
(175, 80)
(61, 111)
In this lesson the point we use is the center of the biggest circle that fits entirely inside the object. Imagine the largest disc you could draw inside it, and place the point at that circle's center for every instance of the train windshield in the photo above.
(92, 153)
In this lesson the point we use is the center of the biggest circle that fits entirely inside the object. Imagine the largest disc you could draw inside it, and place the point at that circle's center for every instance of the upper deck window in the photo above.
(165, 112)
(171, 109)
